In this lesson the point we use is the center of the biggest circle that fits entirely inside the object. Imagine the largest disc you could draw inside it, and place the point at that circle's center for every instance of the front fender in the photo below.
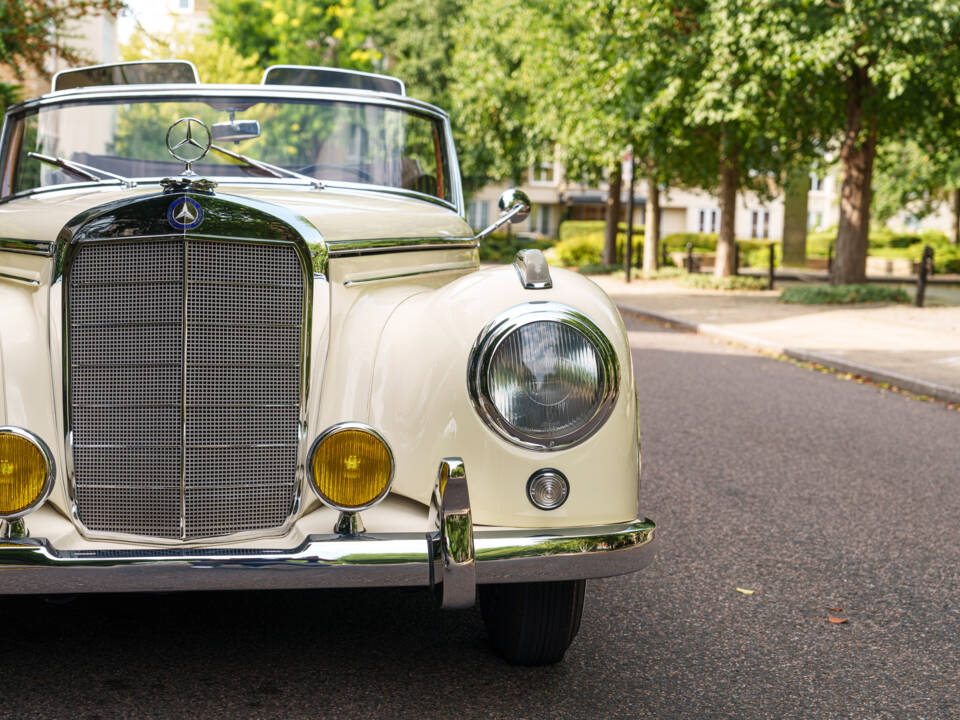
(420, 400)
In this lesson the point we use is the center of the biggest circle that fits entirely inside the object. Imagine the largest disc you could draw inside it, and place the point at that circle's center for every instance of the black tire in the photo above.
(532, 623)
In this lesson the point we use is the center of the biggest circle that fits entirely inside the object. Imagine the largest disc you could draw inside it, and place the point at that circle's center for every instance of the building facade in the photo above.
(555, 199)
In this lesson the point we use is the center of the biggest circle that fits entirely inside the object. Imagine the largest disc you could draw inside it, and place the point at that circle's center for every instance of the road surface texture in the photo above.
(813, 491)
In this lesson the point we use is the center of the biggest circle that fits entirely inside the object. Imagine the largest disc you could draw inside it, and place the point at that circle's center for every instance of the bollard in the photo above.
(736, 258)
(689, 257)
(663, 253)
(926, 267)
(770, 271)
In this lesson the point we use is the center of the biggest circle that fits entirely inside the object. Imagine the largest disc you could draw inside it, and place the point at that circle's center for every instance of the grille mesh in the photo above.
(191, 440)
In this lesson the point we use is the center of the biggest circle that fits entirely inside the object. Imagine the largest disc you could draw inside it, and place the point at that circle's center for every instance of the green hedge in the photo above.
(581, 243)
(753, 253)
(842, 294)
(886, 243)
(499, 248)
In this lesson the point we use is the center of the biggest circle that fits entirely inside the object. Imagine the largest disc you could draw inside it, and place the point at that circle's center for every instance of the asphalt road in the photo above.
(816, 492)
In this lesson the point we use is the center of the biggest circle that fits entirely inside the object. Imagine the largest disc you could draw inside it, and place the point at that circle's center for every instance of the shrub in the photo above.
(499, 248)
(702, 242)
(581, 243)
(842, 294)
(733, 282)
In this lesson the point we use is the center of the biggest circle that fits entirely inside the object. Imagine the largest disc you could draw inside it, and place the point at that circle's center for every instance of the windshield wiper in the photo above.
(80, 170)
(265, 167)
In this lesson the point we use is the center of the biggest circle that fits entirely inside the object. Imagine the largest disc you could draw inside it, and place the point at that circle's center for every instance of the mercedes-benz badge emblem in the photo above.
(185, 214)
(188, 140)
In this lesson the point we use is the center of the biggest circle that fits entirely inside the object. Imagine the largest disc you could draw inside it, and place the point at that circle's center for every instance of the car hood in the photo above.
(338, 213)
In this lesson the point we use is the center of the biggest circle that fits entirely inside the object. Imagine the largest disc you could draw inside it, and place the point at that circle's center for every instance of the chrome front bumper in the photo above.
(457, 557)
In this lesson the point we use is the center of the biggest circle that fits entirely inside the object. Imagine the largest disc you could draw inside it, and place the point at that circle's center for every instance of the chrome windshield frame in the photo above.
(259, 93)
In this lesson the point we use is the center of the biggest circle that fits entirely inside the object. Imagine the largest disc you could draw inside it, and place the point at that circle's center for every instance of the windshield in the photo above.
(331, 141)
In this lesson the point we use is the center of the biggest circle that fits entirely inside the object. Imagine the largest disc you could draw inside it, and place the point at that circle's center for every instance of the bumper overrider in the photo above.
(456, 557)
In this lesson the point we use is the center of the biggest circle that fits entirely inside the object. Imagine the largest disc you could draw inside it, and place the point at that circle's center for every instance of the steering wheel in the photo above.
(362, 175)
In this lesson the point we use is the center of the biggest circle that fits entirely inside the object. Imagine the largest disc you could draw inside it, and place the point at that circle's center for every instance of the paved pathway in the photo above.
(914, 348)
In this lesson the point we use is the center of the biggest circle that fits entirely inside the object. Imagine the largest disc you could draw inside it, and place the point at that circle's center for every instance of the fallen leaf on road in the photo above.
(745, 591)
(836, 620)
(835, 609)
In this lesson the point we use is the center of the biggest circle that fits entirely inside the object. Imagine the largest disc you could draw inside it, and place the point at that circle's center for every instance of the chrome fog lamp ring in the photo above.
(577, 328)
(331, 432)
(49, 478)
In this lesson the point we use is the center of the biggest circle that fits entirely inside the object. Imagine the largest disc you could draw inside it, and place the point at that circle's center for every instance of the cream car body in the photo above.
(395, 305)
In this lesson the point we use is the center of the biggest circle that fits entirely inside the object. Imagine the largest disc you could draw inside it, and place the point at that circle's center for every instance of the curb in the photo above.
(944, 393)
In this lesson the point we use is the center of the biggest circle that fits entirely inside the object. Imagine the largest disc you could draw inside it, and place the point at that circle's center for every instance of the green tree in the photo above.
(291, 32)
(33, 30)
(418, 40)
(216, 59)
(877, 69)
(918, 179)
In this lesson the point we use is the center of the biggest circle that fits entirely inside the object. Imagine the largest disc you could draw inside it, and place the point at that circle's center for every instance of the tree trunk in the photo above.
(651, 231)
(796, 190)
(613, 216)
(856, 159)
(955, 232)
(723, 267)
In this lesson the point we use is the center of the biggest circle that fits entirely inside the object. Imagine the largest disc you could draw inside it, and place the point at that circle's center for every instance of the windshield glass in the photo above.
(332, 141)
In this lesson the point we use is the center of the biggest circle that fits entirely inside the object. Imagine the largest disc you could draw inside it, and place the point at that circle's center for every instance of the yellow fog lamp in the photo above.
(351, 467)
(26, 472)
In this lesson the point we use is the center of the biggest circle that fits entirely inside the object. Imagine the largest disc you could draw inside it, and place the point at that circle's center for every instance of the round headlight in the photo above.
(543, 376)
(351, 467)
(26, 472)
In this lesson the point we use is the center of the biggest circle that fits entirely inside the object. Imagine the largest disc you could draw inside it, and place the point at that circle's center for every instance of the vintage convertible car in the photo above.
(245, 342)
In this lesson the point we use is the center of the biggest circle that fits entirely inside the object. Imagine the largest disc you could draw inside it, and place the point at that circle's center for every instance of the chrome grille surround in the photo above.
(184, 404)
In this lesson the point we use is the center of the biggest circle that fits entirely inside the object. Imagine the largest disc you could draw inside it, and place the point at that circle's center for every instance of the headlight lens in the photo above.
(26, 472)
(352, 467)
(544, 376)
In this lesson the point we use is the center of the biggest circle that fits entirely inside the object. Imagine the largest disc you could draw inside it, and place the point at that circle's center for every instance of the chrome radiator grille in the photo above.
(184, 385)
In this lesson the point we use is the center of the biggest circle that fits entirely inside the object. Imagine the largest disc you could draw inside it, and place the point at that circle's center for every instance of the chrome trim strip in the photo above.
(327, 561)
(398, 276)
(254, 92)
(533, 270)
(367, 246)
(456, 568)
(28, 247)
(504, 324)
(19, 278)
(333, 430)
(183, 386)
(48, 479)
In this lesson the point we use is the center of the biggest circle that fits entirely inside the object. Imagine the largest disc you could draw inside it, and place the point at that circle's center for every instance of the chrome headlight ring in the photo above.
(502, 327)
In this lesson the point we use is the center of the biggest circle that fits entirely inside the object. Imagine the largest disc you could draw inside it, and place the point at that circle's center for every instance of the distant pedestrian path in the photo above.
(917, 349)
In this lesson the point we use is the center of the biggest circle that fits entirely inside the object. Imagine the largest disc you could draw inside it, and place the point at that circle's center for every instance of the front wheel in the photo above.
(532, 623)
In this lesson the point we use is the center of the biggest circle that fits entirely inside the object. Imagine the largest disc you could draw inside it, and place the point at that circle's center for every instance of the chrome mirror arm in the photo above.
(514, 208)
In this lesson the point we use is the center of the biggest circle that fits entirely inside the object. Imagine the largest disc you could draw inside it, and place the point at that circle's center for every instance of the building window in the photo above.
(542, 174)
(478, 214)
(816, 183)
(814, 220)
(540, 219)
(709, 221)
(760, 224)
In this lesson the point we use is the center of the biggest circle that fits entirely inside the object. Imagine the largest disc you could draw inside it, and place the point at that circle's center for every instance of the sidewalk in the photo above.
(917, 349)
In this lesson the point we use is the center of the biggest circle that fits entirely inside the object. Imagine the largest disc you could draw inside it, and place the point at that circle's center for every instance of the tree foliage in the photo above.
(291, 32)
(33, 30)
